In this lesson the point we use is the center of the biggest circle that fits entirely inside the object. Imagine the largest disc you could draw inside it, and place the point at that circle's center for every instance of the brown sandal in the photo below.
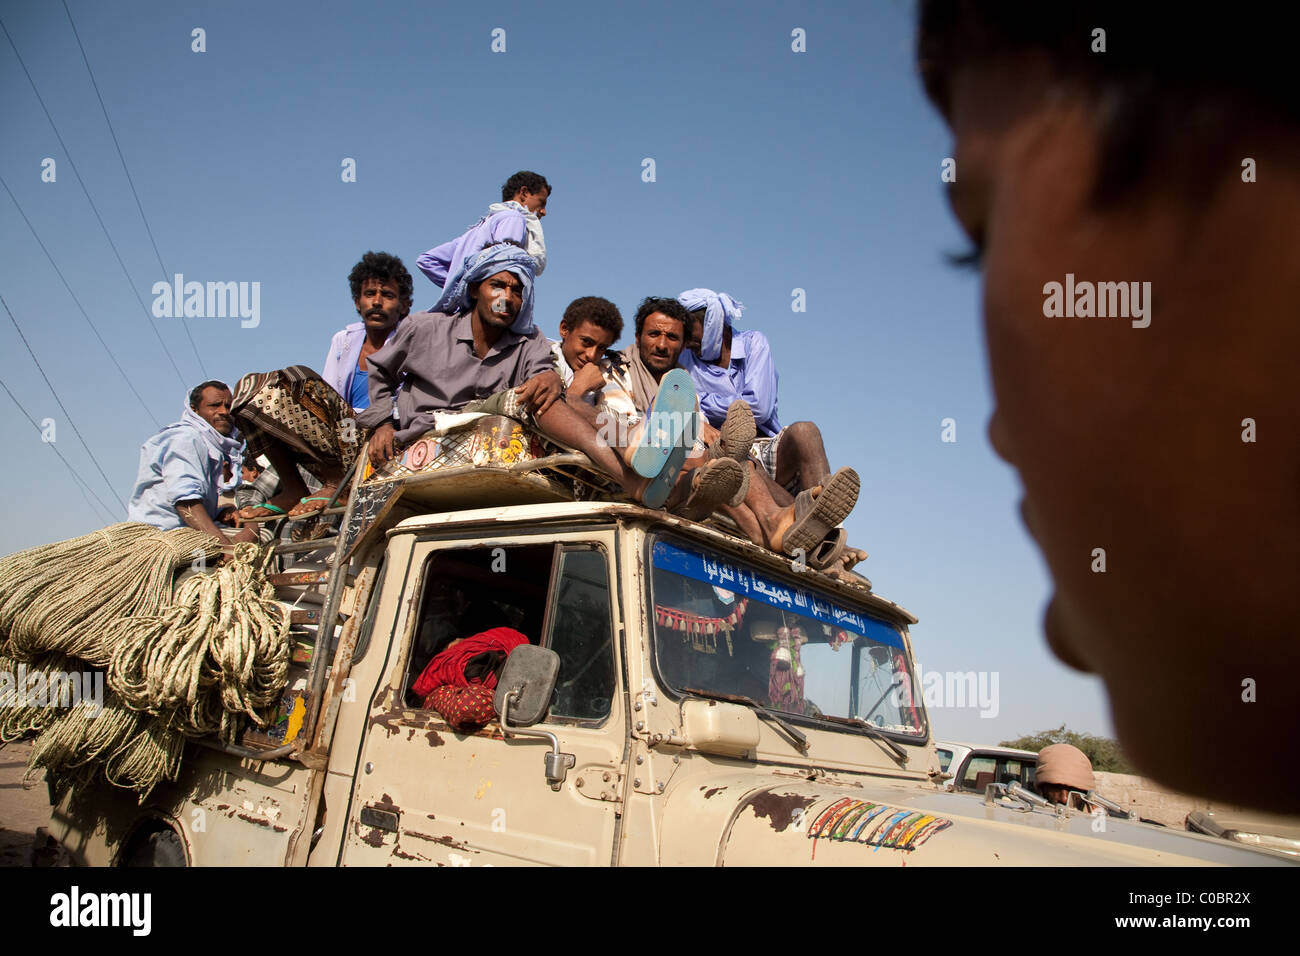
(712, 485)
(814, 517)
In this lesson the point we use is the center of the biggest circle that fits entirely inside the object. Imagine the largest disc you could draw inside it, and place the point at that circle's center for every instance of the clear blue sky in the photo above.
(775, 170)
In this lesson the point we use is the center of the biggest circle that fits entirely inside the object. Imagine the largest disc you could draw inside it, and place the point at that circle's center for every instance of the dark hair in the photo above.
(599, 312)
(530, 182)
(385, 268)
(667, 306)
(1166, 81)
(196, 393)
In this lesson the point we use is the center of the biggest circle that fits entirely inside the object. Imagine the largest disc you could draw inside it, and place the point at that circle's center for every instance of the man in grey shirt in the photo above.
(485, 356)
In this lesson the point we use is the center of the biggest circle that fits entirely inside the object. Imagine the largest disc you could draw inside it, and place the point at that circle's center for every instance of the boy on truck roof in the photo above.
(517, 218)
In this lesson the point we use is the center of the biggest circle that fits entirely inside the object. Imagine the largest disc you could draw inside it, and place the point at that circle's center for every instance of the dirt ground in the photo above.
(24, 813)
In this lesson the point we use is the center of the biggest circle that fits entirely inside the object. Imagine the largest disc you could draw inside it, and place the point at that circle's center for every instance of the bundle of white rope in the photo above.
(217, 653)
(60, 596)
(206, 661)
(23, 713)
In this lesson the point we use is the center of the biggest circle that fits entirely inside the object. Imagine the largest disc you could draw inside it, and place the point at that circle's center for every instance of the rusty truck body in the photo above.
(711, 703)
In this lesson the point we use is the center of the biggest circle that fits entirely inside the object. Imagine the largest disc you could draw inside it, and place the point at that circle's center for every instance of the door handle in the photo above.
(380, 819)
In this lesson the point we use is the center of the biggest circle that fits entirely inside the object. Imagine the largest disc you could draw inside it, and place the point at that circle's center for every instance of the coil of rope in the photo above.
(208, 660)
(218, 653)
(58, 597)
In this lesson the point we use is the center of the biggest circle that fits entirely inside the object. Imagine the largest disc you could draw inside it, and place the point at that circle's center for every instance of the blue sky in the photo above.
(775, 170)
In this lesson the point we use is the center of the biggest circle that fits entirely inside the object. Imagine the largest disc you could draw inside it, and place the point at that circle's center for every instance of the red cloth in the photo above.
(448, 668)
(465, 708)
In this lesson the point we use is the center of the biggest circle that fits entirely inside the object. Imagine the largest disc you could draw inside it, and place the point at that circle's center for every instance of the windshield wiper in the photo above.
(872, 731)
(796, 737)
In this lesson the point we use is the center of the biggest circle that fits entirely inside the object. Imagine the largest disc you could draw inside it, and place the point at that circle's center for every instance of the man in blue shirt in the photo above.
(726, 365)
(185, 467)
(381, 292)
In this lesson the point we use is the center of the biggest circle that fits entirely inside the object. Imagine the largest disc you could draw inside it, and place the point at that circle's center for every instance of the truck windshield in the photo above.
(723, 627)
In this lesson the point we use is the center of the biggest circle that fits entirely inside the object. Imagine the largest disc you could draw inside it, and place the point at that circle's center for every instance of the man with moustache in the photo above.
(485, 355)
(294, 417)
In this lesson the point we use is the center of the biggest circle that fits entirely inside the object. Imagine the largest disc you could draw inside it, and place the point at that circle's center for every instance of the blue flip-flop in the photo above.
(656, 493)
(669, 424)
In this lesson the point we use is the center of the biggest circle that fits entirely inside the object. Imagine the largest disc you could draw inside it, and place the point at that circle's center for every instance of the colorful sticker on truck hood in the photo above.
(875, 824)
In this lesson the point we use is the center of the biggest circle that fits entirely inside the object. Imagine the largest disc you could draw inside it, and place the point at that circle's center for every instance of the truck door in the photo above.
(425, 793)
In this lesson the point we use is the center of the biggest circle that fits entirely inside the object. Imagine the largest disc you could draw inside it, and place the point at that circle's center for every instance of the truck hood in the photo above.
(727, 820)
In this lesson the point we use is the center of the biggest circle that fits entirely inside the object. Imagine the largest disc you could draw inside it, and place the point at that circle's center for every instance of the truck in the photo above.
(685, 698)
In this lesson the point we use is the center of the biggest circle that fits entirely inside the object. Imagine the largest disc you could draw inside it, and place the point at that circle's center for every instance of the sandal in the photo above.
(661, 486)
(737, 433)
(735, 438)
(272, 513)
(668, 424)
(311, 529)
(829, 550)
(299, 512)
(712, 486)
(814, 517)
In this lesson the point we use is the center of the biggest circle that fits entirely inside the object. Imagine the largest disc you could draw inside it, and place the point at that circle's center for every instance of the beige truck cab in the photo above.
(686, 698)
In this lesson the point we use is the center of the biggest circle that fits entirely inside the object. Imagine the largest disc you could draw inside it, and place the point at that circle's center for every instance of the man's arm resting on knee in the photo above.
(196, 516)
(540, 392)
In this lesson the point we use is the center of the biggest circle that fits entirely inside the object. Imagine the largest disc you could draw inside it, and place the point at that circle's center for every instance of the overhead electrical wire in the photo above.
(81, 482)
(130, 182)
(59, 401)
(93, 208)
(84, 314)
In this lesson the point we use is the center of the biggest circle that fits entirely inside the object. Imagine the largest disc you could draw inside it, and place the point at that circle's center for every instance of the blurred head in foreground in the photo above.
(1129, 176)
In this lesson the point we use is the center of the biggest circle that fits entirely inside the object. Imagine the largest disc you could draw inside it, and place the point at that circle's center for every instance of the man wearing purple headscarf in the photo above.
(727, 364)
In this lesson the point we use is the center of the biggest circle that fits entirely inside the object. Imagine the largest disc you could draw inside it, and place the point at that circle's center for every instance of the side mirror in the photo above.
(523, 695)
(526, 684)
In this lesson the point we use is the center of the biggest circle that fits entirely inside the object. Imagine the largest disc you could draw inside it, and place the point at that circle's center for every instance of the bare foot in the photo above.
(269, 511)
(314, 503)
(852, 556)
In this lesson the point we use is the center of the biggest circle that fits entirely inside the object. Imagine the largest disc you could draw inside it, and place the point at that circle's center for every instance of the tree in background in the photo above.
(1102, 751)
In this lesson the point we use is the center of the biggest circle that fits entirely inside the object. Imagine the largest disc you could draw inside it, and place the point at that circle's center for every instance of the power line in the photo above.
(84, 314)
(75, 474)
(138, 205)
(62, 408)
(93, 207)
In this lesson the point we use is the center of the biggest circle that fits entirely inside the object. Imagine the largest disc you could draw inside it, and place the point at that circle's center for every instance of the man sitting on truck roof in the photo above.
(185, 467)
(728, 365)
(295, 417)
(587, 367)
(381, 291)
(661, 327)
(598, 387)
(485, 355)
